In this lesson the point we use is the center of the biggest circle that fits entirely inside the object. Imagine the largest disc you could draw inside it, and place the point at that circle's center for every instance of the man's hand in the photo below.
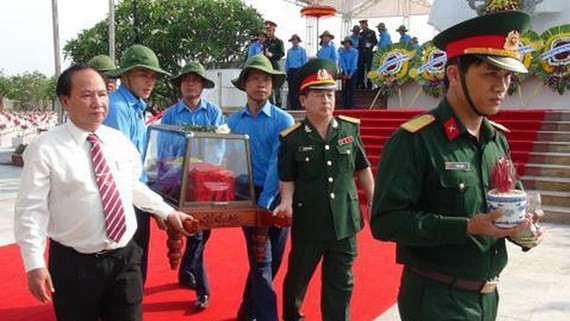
(39, 284)
(484, 224)
(175, 220)
(533, 235)
(284, 211)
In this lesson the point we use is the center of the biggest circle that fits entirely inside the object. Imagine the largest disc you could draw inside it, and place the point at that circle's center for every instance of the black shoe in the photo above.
(241, 316)
(186, 279)
(202, 302)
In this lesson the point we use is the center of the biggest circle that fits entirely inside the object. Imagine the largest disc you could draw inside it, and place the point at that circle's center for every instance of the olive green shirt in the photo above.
(325, 201)
(428, 184)
(367, 40)
(275, 46)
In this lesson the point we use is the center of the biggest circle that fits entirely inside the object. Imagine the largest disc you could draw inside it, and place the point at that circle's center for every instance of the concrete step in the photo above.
(552, 147)
(553, 136)
(549, 158)
(555, 126)
(555, 198)
(561, 184)
(557, 115)
(547, 170)
(556, 214)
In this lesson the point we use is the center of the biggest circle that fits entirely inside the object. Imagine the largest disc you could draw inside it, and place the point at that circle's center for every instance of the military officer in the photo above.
(365, 47)
(103, 64)
(317, 162)
(274, 51)
(434, 174)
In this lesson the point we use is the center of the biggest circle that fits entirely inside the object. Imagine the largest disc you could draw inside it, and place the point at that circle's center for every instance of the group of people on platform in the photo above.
(353, 58)
(83, 186)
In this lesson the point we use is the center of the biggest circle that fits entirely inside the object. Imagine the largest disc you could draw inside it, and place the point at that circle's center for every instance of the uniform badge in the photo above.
(323, 74)
(457, 166)
(451, 129)
(345, 140)
(306, 148)
(512, 41)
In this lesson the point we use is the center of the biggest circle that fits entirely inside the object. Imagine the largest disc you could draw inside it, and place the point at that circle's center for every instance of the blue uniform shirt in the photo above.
(384, 40)
(348, 61)
(126, 113)
(205, 114)
(254, 48)
(296, 57)
(405, 38)
(263, 130)
(328, 51)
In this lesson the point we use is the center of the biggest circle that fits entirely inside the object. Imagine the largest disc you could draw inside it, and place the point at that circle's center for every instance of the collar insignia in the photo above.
(451, 129)
(308, 129)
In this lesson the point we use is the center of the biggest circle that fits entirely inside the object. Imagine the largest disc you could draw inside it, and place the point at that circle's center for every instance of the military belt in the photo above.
(462, 284)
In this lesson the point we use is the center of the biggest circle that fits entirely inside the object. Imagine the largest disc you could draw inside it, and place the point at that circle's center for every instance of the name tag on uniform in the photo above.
(306, 148)
(457, 166)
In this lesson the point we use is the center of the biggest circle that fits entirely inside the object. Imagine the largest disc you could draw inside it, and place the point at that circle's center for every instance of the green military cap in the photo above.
(402, 28)
(355, 28)
(494, 38)
(382, 26)
(347, 39)
(295, 36)
(138, 56)
(261, 63)
(326, 33)
(102, 63)
(317, 73)
(198, 69)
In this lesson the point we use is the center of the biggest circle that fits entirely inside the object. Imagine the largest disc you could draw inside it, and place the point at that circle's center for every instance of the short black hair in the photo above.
(463, 62)
(63, 87)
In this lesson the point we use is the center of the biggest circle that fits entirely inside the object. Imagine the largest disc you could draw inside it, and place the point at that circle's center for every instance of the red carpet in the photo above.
(376, 283)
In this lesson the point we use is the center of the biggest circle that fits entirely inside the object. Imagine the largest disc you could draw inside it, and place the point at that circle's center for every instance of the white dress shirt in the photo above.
(59, 196)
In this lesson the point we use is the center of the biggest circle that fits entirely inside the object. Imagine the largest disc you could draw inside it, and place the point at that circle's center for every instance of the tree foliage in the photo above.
(31, 91)
(213, 32)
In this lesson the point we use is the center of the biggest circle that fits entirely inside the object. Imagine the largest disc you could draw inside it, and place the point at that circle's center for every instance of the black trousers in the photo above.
(364, 66)
(142, 238)
(92, 287)
(293, 94)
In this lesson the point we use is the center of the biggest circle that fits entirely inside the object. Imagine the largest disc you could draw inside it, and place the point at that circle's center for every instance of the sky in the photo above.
(26, 37)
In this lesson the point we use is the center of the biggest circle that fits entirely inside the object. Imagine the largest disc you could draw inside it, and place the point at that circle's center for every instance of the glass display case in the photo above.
(206, 174)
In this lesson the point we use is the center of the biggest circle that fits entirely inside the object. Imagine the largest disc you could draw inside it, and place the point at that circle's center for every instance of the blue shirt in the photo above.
(355, 40)
(384, 40)
(296, 57)
(328, 51)
(263, 130)
(254, 49)
(126, 113)
(348, 61)
(405, 38)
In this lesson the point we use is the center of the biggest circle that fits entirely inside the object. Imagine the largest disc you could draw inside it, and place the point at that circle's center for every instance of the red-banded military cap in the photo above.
(317, 74)
(494, 38)
(270, 24)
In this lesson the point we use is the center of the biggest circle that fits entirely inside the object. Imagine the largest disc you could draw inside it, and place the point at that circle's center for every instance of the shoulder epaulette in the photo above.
(349, 119)
(415, 124)
(289, 130)
(499, 126)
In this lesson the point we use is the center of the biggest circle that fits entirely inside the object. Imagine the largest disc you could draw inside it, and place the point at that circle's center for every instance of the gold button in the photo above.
(461, 186)
(327, 147)
(332, 195)
(306, 159)
(330, 179)
(329, 163)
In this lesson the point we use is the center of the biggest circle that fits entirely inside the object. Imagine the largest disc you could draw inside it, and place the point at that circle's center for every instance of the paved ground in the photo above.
(535, 286)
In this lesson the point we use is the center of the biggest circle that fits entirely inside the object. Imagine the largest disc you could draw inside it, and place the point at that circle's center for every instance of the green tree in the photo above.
(4, 87)
(214, 32)
(31, 91)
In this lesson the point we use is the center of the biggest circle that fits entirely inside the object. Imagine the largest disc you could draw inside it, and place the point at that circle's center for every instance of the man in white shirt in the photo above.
(93, 274)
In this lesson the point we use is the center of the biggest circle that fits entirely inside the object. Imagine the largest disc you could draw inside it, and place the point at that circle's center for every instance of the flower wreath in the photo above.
(554, 65)
(429, 69)
(390, 67)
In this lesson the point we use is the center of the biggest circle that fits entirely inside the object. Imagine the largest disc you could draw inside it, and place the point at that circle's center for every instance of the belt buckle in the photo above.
(490, 286)
(100, 253)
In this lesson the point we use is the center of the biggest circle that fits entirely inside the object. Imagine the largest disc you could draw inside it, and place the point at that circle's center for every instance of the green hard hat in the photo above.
(494, 38)
(317, 73)
(261, 63)
(198, 69)
(102, 63)
(138, 56)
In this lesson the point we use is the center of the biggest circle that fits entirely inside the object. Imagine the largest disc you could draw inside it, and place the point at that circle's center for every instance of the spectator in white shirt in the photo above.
(90, 275)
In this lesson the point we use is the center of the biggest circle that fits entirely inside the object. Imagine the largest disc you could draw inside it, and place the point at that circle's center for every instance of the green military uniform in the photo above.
(366, 43)
(432, 177)
(277, 49)
(326, 211)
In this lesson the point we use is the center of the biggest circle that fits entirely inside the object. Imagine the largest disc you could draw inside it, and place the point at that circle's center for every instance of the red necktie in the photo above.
(110, 198)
